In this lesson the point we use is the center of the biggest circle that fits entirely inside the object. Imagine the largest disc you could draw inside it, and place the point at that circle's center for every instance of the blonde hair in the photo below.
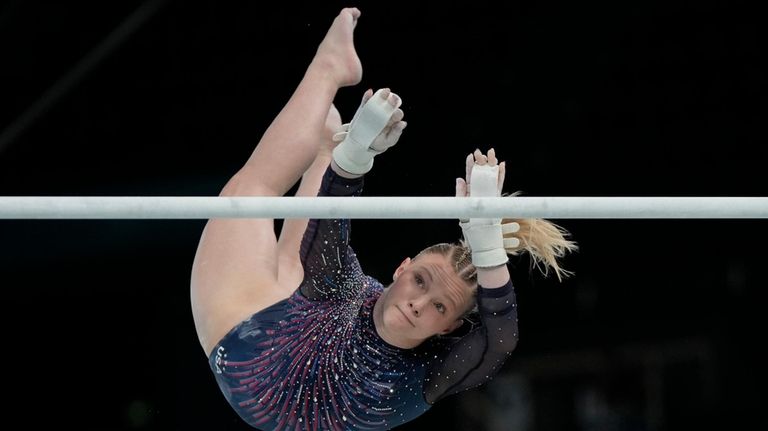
(459, 255)
(542, 239)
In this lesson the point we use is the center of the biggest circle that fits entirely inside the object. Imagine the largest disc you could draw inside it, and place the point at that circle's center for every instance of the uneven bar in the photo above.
(201, 207)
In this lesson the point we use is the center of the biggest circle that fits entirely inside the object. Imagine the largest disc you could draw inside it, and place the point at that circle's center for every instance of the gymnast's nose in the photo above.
(415, 308)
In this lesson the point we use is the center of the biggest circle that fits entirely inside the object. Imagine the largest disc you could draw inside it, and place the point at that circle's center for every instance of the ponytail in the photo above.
(544, 241)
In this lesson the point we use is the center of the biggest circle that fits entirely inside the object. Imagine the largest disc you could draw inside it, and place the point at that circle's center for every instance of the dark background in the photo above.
(660, 329)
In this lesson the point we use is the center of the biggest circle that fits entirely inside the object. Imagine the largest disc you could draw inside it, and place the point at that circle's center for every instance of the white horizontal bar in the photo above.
(198, 207)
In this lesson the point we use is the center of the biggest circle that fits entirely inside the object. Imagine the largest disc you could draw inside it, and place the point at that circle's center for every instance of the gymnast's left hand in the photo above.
(491, 168)
(357, 147)
(485, 178)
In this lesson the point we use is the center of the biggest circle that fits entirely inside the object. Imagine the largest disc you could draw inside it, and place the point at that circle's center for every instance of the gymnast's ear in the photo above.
(401, 268)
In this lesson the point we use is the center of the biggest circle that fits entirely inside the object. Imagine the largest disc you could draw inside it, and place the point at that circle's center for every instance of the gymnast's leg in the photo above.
(235, 271)
(290, 270)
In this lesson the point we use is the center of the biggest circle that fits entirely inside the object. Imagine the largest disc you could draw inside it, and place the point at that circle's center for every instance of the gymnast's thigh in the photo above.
(234, 273)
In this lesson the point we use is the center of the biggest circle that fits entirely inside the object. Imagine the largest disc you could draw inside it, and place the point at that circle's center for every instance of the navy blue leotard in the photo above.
(314, 360)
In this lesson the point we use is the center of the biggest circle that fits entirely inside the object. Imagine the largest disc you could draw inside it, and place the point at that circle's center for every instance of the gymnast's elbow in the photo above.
(503, 342)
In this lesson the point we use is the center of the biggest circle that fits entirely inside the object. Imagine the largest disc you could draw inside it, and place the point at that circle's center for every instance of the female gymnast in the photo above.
(297, 336)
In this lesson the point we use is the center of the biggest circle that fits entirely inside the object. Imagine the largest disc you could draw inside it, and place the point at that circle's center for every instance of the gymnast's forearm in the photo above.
(341, 172)
(492, 278)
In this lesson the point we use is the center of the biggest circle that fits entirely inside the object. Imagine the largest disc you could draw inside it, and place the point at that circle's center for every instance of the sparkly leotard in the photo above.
(314, 360)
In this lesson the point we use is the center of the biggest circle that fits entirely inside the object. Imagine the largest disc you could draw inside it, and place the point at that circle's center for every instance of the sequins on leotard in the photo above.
(315, 361)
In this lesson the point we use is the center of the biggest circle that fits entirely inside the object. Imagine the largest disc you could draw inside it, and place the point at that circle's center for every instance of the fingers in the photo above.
(492, 157)
(396, 117)
(480, 158)
(366, 96)
(392, 98)
(461, 188)
(341, 134)
(395, 100)
(470, 162)
(462, 191)
(502, 173)
(394, 132)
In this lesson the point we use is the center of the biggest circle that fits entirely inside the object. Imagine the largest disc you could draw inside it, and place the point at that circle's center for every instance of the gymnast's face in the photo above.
(426, 298)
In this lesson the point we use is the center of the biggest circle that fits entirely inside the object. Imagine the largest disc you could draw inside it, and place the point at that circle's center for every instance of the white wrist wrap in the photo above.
(484, 235)
(486, 243)
(351, 156)
(354, 154)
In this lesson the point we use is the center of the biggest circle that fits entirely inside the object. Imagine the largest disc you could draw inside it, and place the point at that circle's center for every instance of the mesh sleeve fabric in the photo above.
(478, 356)
(331, 268)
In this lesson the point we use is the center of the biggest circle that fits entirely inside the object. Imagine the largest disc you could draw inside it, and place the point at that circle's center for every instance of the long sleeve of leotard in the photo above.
(479, 355)
(331, 268)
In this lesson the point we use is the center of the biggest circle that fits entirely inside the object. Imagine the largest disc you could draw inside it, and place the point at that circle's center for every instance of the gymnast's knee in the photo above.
(246, 183)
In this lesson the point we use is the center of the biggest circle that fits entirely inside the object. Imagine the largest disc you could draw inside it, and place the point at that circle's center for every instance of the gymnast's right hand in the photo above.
(485, 236)
(376, 126)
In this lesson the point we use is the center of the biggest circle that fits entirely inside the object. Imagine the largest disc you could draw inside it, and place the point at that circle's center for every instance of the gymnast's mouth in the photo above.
(405, 316)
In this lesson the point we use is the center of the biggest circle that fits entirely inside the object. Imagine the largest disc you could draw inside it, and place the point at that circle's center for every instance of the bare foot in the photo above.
(336, 52)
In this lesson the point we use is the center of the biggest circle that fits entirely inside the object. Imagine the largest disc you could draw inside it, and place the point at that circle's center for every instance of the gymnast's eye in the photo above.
(419, 280)
(440, 307)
